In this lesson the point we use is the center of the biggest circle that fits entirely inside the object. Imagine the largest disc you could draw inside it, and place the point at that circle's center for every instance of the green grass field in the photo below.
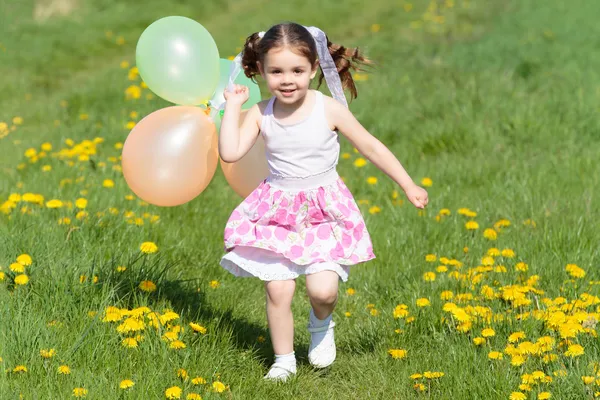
(496, 102)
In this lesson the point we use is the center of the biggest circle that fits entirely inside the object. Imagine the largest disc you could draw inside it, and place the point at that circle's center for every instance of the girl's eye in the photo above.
(298, 71)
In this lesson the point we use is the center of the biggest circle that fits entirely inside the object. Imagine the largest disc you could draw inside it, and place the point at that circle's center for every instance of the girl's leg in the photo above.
(322, 289)
(279, 314)
(281, 328)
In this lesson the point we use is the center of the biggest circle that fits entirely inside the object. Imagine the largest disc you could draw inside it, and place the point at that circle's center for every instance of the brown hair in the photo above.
(299, 39)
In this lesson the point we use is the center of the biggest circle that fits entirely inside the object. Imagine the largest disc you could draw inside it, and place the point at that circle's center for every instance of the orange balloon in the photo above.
(248, 172)
(171, 155)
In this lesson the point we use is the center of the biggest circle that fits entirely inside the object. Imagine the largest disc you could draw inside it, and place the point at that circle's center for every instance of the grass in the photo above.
(497, 104)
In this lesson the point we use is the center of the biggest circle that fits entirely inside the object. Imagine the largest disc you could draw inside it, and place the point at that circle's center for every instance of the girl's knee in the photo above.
(279, 292)
(323, 295)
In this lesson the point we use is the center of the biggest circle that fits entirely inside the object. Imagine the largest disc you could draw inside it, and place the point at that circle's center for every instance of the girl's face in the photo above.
(287, 74)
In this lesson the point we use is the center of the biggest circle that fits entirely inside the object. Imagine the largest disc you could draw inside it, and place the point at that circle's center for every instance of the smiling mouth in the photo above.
(287, 90)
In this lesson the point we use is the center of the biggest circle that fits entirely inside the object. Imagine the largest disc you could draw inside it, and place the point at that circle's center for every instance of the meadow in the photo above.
(489, 293)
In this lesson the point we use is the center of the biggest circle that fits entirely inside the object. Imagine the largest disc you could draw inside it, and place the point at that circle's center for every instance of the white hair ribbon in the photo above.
(332, 77)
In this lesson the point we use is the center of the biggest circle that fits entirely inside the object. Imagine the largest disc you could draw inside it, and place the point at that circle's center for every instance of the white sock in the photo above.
(316, 322)
(287, 359)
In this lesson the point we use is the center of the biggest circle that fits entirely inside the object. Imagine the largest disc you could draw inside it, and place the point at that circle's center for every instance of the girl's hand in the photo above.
(417, 195)
(239, 95)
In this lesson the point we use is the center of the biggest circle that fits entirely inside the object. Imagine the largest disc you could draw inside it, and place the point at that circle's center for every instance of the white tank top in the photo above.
(302, 150)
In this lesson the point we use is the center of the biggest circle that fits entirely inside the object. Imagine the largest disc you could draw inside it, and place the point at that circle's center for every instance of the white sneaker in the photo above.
(280, 372)
(321, 352)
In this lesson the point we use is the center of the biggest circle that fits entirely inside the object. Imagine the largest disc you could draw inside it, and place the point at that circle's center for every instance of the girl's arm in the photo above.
(375, 151)
(235, 140)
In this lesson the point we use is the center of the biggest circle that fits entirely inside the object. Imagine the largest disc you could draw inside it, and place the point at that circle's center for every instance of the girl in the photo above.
(302, 219)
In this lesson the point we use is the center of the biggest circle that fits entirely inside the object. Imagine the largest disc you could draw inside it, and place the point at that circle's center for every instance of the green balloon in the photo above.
(218, 98)
(179, 61)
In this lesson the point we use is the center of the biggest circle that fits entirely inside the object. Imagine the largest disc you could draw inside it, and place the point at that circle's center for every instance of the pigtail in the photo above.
(347, 59)
(250, 56)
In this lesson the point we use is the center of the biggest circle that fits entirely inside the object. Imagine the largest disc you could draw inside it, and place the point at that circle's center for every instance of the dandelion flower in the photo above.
(350, 292)
(490, 234)
(20, 368)
(430, 258)
(126, 384)
(488, 332)
(17, 268)
(177, 344)
(174, 392)
(147, 286)
(24, 259)
(129, 343)
(360, 162)
(198, 328)
(423, 302)
(218, 387)
(517, 396)
(495, 355)
(472, 225)
(198, 380)
(478, 341)
(545, 395)
(64, 370)
(47, 353)
(21, 279)
(148, 247)
(108, 183)
(214, 284)
(80, 392)
(575, 271)
(508, 253)
(397, 353)
(193, 396)
(574, 350)
(429, 276)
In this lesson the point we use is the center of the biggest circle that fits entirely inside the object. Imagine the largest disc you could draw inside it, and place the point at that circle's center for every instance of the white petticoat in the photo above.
(246, 261)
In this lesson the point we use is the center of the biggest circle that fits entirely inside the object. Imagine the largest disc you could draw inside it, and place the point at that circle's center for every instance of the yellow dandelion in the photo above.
(148, 247)
(423, 302)
(547, 395)
(427, 182)
(64, 370)
(371, 180)
(490, 234)
(147, 286)
(17, 268)
(508, 253)
(108, 183)
(515, 337)
(521, 266)
(495, 355)
(574, 350)
(24, 259)
(80, 392)
(430, 258)
(198, 328)
(374, 210)
(193, 396)
(517, 360)
(575, 271)
(350, 292)
(429, 276)
(214, 284)
(177, 344)
(472, 225)
(21, 279)
(126, 384)
(20, 368)
(174, 392)
(478, 341)
(129, 343)
(47, 353)
(198, 380)
(488, 332)
(218, 387)
(517, 396)
(397, 354)
(360, 162)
